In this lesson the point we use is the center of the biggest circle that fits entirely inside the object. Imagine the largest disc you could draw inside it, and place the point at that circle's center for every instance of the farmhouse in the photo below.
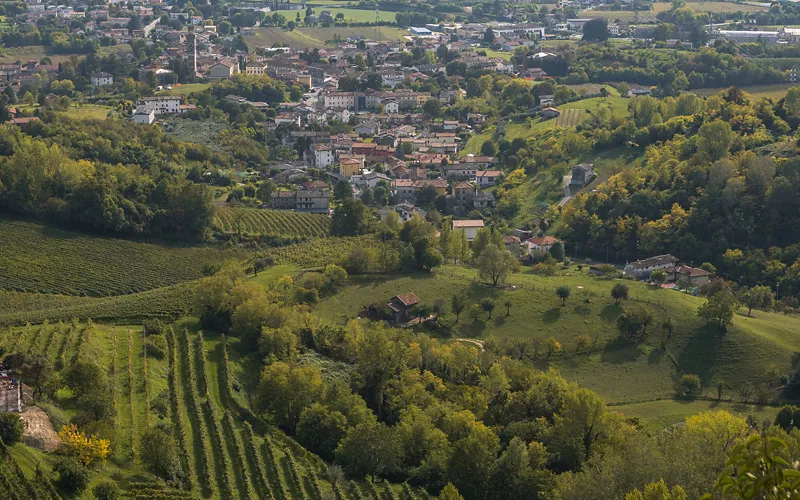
(548, 113)
(470, 227)
(401, 306)
(540, 244)
(641, 269)
(692, 275)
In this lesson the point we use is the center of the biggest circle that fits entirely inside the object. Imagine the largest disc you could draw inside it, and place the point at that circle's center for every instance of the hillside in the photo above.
(316, 38)
(36, 258)
(620, 373)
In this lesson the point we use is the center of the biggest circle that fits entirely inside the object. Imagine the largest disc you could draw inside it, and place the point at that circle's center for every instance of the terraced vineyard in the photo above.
(35, 258)
(320, 252)
(280, 223)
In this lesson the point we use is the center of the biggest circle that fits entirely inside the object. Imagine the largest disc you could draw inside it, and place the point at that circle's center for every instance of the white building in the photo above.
(470, 227)
(339, 100)
(102, 79)
(737, 37)
(144, 116)
(390, 106)
(162, 104)
(323, 155)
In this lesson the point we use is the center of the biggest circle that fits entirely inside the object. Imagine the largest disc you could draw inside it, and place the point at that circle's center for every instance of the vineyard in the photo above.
(569, 118)
(39, 259)
(320, 252)
(168, 302)
(225, 450)
(275, 223)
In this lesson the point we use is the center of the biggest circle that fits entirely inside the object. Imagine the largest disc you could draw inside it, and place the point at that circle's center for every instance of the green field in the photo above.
(36, 258)
(271, 223)
(650, 16)
(185, 89)
(620, 373)
(656, 415)
(78, 112)
(534, 127)
(24, 54)
(773, 91)
(315, 38)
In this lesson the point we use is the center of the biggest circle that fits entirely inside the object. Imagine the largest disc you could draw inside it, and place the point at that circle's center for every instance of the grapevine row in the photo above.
(194, 412)
(132, 396)
(177, 410)
(280, 491)
(146, 382)
(294, 474)
(272, 222)
(240, 456)
(254, 457)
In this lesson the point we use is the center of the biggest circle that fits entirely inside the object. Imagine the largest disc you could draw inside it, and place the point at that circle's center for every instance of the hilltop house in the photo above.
(470, 227)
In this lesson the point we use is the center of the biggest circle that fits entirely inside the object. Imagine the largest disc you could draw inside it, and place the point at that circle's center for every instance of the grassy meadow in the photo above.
(315, 38)
(621, 373)
(185, 89)
(11, 55)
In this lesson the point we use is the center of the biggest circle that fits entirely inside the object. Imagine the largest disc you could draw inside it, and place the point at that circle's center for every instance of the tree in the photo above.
(458, 303)
(563, 293)
(657, 491)
(285, 391)
(619, 292)
(368, 449)
(342, 190)
(106, 490)
(658, 276)
(265, 190)
(488, 305)
(350, 219)
(450, 492)
(757, 469)
(689, 384)
(578, 426)
(551, 345)
(470, 465)
(224, 28)
(488, 148)
(714, 139)
(758, 297)
(719, 309)
(488, 36)
(11, 428)
(596, 30)
(632, 325)
(557, 251)
(159, 453)
(86, 449)
(73, 476)
(320, 429)
(496, 264)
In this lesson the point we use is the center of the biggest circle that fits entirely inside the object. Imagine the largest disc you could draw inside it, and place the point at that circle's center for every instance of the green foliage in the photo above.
(11, 428)
(495, 264)
(350, 219)
(633, 324)
(689, 384)
(73, 477)
(158, 453)
(756, 469)
(719, 309)
(563, 293)
(106, 490)
(619, 292)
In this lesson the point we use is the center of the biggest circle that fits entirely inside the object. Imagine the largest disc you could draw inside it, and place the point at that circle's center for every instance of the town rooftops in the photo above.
(489, 173)
(693, 272)
(658, 260)
(467, 223)
(510, 240)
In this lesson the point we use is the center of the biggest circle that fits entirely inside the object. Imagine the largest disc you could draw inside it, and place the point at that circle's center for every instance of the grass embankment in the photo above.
(619, 372)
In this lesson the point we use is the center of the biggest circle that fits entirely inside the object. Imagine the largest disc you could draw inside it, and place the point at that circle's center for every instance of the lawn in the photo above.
(38, 52)
(185, 89)
(78, 112)
(656, 415)
(302, 38)
(621, 373)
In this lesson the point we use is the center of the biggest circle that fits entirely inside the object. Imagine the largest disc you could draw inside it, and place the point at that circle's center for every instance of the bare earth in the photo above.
(39, 432)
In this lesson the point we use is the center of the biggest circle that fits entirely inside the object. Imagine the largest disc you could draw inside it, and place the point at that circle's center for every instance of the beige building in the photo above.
(222, 69)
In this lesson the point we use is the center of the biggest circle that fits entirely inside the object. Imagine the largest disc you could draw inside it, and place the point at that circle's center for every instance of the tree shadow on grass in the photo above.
(619, 351)
(582, 309)
(470, 329)
(499, 320)
(700, 352)
(611, 312)
(551, 315)
(656, 355)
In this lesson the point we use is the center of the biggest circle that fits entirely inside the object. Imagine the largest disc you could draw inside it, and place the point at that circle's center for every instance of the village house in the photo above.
(402, 306)
(102, 79)
(323, 155)
(541, 244)
(470, 227)
(694, 276)
(486, 178)
(641, 269)
(512, 244)
(222, 69)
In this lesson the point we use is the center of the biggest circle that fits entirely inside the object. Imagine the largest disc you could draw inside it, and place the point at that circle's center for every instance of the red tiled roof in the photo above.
(408, 299)
(543, 241)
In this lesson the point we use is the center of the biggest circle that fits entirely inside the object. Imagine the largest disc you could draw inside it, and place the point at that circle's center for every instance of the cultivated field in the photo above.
(569, 118)
(272, 222)
(40, 259)
(774, 91)
(24, 54)
(620, 373)
(650, 16)
(315, 38)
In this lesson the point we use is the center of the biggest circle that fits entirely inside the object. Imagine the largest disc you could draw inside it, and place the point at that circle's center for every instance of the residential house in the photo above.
(161, 104)
(580, 176)
(548, 113)
(470, 227)
(638, 90)
(349, 167)
(222, 69)
(641, 269)
(370, 127)
(312, 200)
(482, 199)
(541, 244)
(547, 100)
(402, 306)
(323, 155)
(146, 116)
(693, 275)
(512, 244)
(486, 178)
(102, 79)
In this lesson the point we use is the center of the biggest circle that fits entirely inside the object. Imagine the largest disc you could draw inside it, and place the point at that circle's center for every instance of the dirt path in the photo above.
(39, 432)
(478, 343)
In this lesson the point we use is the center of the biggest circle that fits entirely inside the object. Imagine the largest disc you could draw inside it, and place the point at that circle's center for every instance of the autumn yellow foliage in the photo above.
(87, 449)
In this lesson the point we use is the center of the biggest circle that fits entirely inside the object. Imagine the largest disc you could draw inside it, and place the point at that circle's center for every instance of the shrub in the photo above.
(73, 477)
(11, 428)
(306, 296)
(313, 281)
(689, 385)
(153, 327)
(105, 490)
(85, 449)
(156, 346)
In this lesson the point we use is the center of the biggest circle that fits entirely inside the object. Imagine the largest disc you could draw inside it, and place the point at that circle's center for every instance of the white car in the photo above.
(159, 88)
(169, 87)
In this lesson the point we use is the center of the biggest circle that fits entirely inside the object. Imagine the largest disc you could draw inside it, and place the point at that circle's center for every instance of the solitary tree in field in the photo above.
(689, 384)
(458, 303)
(719, 309)
(496, 264)
(758, 297)
(563, 293)
(552, 345)
(488, 305)
(619, 292)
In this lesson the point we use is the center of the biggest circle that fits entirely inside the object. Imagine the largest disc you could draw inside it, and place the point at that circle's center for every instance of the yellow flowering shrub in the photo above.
(87, 449)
